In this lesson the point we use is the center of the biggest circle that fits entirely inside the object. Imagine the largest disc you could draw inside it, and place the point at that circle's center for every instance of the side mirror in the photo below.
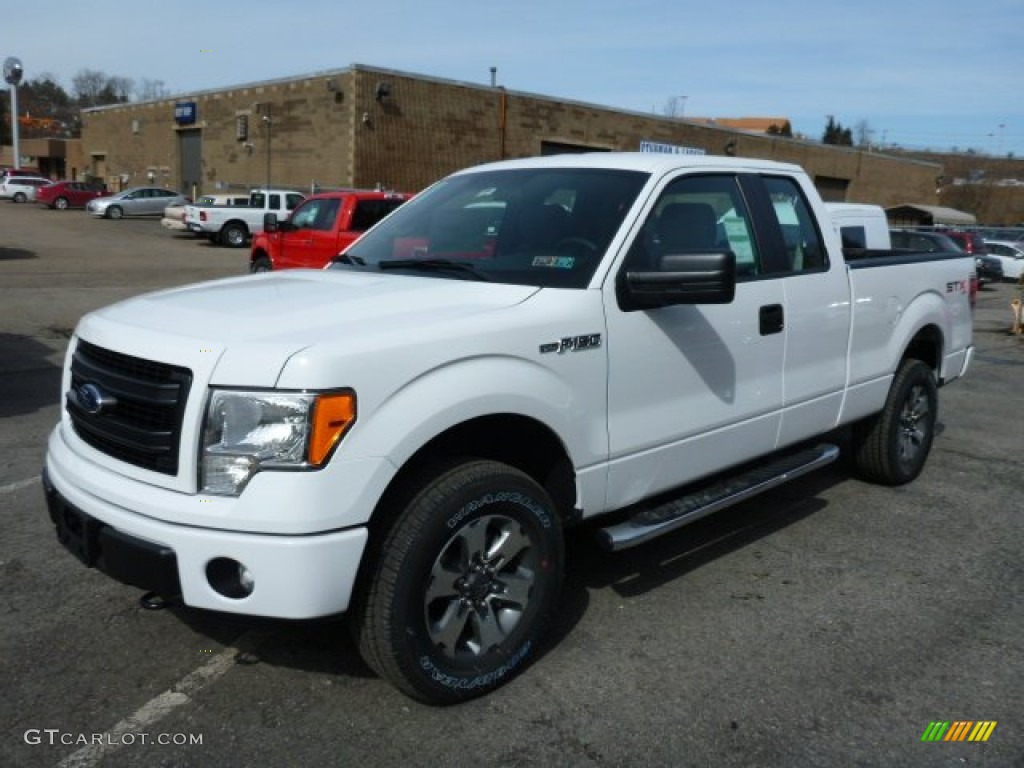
(681, 278)
(270, 224)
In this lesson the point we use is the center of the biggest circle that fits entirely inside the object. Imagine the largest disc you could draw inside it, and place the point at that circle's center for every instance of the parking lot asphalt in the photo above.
(826, 623)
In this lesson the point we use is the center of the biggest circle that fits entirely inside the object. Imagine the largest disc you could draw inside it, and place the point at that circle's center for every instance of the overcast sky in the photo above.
(936, 74)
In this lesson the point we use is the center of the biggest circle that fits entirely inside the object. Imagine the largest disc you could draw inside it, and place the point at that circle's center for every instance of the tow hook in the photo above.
(153, 601)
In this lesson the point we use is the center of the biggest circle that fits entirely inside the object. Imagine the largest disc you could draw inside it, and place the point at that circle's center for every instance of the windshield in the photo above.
(543, 227)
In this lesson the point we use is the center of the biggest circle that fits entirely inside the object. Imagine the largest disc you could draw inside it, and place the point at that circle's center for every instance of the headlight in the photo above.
(246, 432)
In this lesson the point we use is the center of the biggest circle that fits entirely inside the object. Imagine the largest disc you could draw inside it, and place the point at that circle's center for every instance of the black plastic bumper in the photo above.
(127, 559)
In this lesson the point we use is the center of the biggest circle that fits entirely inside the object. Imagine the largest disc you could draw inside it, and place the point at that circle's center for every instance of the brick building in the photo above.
(365, 127)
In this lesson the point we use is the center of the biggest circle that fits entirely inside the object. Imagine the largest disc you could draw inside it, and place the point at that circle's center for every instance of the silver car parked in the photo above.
(137, 201)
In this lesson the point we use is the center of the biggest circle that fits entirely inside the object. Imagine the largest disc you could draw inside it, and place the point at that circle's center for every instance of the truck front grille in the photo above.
(140, 419)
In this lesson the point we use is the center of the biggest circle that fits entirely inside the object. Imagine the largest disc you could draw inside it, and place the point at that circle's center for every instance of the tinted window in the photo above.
(854, 237)
(804, 250)
(544, 227)
(369, 212)
(316, 214)
(697, 214)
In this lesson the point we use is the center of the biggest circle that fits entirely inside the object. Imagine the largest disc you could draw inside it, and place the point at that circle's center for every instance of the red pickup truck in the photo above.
(320, 228)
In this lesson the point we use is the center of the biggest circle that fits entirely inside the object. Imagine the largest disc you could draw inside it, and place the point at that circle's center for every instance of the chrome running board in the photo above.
(652, 521)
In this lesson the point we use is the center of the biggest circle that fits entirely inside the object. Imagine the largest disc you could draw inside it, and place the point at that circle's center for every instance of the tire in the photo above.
(61, 203)
(892, 446)
(20, 197)
(438, 618)
(261, 264)
(115, 212)
(234, 235)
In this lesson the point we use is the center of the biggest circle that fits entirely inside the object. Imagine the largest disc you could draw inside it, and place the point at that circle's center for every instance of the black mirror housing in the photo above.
(681, 278)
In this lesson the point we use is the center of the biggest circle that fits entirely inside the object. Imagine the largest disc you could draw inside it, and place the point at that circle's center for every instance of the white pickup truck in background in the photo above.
(632, 339)
(233, 225)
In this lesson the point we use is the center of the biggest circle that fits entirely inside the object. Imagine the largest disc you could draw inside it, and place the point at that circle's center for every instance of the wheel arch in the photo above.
(258, 253)
(926, 345)
(519, 441)
(235, 222)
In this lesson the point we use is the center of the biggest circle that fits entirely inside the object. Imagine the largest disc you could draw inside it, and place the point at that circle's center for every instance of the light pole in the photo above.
(13, 72)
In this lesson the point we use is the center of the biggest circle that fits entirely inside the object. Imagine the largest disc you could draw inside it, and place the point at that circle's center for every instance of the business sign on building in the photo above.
(185, 112)
(669, 149)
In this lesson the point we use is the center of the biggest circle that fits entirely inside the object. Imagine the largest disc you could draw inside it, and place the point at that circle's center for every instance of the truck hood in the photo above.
(242, 331)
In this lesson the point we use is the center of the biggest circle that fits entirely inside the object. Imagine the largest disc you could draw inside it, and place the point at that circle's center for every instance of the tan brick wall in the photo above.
(426, 128)
(310, 136)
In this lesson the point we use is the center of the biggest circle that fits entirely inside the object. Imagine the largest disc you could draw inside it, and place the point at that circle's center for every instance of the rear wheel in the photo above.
(234, 235)
(61, 203)
(891, 447)
(461, 588)
(115, 212)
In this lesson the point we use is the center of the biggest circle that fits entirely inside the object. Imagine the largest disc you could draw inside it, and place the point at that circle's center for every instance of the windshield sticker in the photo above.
(554, 262)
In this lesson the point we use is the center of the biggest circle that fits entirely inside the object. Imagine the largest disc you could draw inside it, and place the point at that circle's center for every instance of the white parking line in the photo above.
(18, 485)
(152, 711)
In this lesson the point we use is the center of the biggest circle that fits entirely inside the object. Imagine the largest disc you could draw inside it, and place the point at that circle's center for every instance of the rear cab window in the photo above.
(804, 247)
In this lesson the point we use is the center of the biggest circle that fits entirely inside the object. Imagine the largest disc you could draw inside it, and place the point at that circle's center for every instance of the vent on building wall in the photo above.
(136, 127)
(242, 128)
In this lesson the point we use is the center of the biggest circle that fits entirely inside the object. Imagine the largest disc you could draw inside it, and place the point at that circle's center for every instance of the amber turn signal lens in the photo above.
(332, 416)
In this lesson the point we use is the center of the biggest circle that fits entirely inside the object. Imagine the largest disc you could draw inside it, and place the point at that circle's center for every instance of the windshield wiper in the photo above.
(345, 258)
(434, 265)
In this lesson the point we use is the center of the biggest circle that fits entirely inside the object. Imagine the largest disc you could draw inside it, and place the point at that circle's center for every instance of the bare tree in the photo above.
(87, 85)
(674, 106)
(151, 90)
(93, 88)
(121, 87)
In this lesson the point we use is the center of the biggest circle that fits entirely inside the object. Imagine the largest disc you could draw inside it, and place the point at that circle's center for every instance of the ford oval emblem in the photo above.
(94, 400)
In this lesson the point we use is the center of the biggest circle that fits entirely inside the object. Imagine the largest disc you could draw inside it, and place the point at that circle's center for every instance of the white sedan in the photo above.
(1011, 254)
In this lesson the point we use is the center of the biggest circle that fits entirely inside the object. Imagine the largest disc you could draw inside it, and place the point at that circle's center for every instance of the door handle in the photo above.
(771, 319)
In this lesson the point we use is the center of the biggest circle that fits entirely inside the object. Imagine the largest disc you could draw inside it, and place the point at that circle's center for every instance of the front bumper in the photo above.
(294, 576)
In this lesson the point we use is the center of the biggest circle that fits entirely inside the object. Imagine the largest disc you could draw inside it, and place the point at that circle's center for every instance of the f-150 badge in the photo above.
(572, 343)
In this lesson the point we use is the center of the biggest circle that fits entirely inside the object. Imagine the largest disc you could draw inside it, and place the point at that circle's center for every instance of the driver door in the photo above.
(310, 239)
(693, 389)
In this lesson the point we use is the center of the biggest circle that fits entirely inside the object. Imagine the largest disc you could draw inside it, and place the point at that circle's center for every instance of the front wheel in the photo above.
(233, 235)
(463, 585)
(891, 447)
(20, 197)
(61, 203)
(115, 212)
(261, 264)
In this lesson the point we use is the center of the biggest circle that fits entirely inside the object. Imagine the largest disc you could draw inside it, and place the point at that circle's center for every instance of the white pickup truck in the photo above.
(233, 225)
(405, 435)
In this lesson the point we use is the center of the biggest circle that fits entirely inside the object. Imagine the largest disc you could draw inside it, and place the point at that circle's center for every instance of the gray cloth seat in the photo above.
(683, 227)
